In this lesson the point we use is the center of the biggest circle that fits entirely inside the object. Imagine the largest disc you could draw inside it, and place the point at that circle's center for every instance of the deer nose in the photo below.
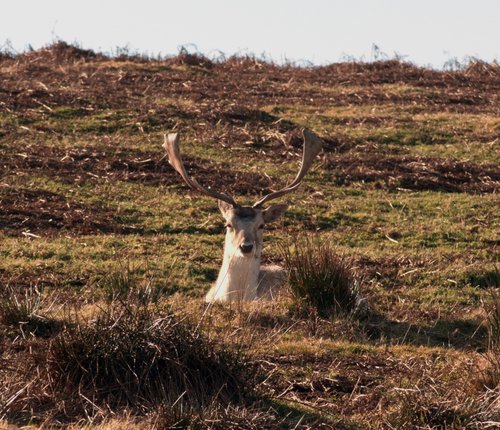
(246, 247)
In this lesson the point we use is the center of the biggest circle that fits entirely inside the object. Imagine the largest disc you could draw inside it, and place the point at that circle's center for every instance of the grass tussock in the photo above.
(427, 409)
(492, 309)
(28, 312)
(225, 418)
(133, 357)
(321, 279)
(125, 284)
(489, 380)
(487, 278)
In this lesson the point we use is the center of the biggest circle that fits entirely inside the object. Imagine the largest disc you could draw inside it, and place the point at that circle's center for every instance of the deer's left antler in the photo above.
(312, 147)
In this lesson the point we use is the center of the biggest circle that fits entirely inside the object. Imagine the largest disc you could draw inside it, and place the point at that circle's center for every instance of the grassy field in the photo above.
(407, 187)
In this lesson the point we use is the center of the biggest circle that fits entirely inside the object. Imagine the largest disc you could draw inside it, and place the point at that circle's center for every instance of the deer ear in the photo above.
(272, 213)
(224, 208)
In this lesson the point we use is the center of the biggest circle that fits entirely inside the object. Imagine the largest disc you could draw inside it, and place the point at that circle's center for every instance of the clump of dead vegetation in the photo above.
(61, 52)
(426, 408)
(128, 357)
(321, 279)
(27, 313)
(192, 59)
(132, 358)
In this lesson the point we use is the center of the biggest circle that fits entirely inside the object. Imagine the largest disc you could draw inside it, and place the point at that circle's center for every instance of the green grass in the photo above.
(464, 136)
(362, 222)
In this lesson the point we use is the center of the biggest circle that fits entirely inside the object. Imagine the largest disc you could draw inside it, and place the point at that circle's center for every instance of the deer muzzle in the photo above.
(246, 247)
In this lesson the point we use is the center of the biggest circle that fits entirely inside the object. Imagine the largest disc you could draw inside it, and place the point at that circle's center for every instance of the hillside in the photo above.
(406, 187)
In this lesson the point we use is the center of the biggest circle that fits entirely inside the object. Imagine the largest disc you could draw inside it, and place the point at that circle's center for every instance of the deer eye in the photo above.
(229, 226)
(261, 227)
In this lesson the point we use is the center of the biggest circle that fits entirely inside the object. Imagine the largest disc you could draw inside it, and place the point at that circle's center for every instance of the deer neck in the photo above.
(238, 277)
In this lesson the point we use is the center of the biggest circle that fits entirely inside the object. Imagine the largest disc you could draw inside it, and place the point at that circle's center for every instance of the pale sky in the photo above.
(426, 32)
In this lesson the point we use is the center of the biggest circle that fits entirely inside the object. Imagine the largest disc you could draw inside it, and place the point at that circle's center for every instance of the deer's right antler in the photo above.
(171, 144)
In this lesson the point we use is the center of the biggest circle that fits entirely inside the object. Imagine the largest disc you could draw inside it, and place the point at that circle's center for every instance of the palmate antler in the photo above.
(171, 144)
(312, 147)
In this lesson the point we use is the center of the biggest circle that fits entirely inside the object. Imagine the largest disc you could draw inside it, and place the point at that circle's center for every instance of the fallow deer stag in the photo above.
(241, 276)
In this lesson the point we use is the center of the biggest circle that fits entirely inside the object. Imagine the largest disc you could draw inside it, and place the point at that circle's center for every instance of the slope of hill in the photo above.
(407, 187)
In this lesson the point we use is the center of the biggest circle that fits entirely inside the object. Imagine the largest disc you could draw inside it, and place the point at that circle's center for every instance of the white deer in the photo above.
(241, 276)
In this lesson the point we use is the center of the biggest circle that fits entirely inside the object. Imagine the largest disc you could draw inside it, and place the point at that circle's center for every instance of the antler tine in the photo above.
(171, 144)
(312, 147)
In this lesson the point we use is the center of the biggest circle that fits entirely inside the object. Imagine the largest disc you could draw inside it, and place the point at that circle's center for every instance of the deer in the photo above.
(241, 277)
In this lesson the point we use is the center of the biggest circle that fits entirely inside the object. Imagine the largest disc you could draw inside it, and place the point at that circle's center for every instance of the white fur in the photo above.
(241, 277)
(238, 279)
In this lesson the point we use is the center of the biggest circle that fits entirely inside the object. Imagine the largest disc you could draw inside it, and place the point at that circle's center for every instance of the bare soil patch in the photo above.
(79, 165)
(414, 173)
(40, 212)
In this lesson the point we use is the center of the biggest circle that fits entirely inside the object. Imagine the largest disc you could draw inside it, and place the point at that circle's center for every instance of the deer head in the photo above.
(245, 227)
(245, 224)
